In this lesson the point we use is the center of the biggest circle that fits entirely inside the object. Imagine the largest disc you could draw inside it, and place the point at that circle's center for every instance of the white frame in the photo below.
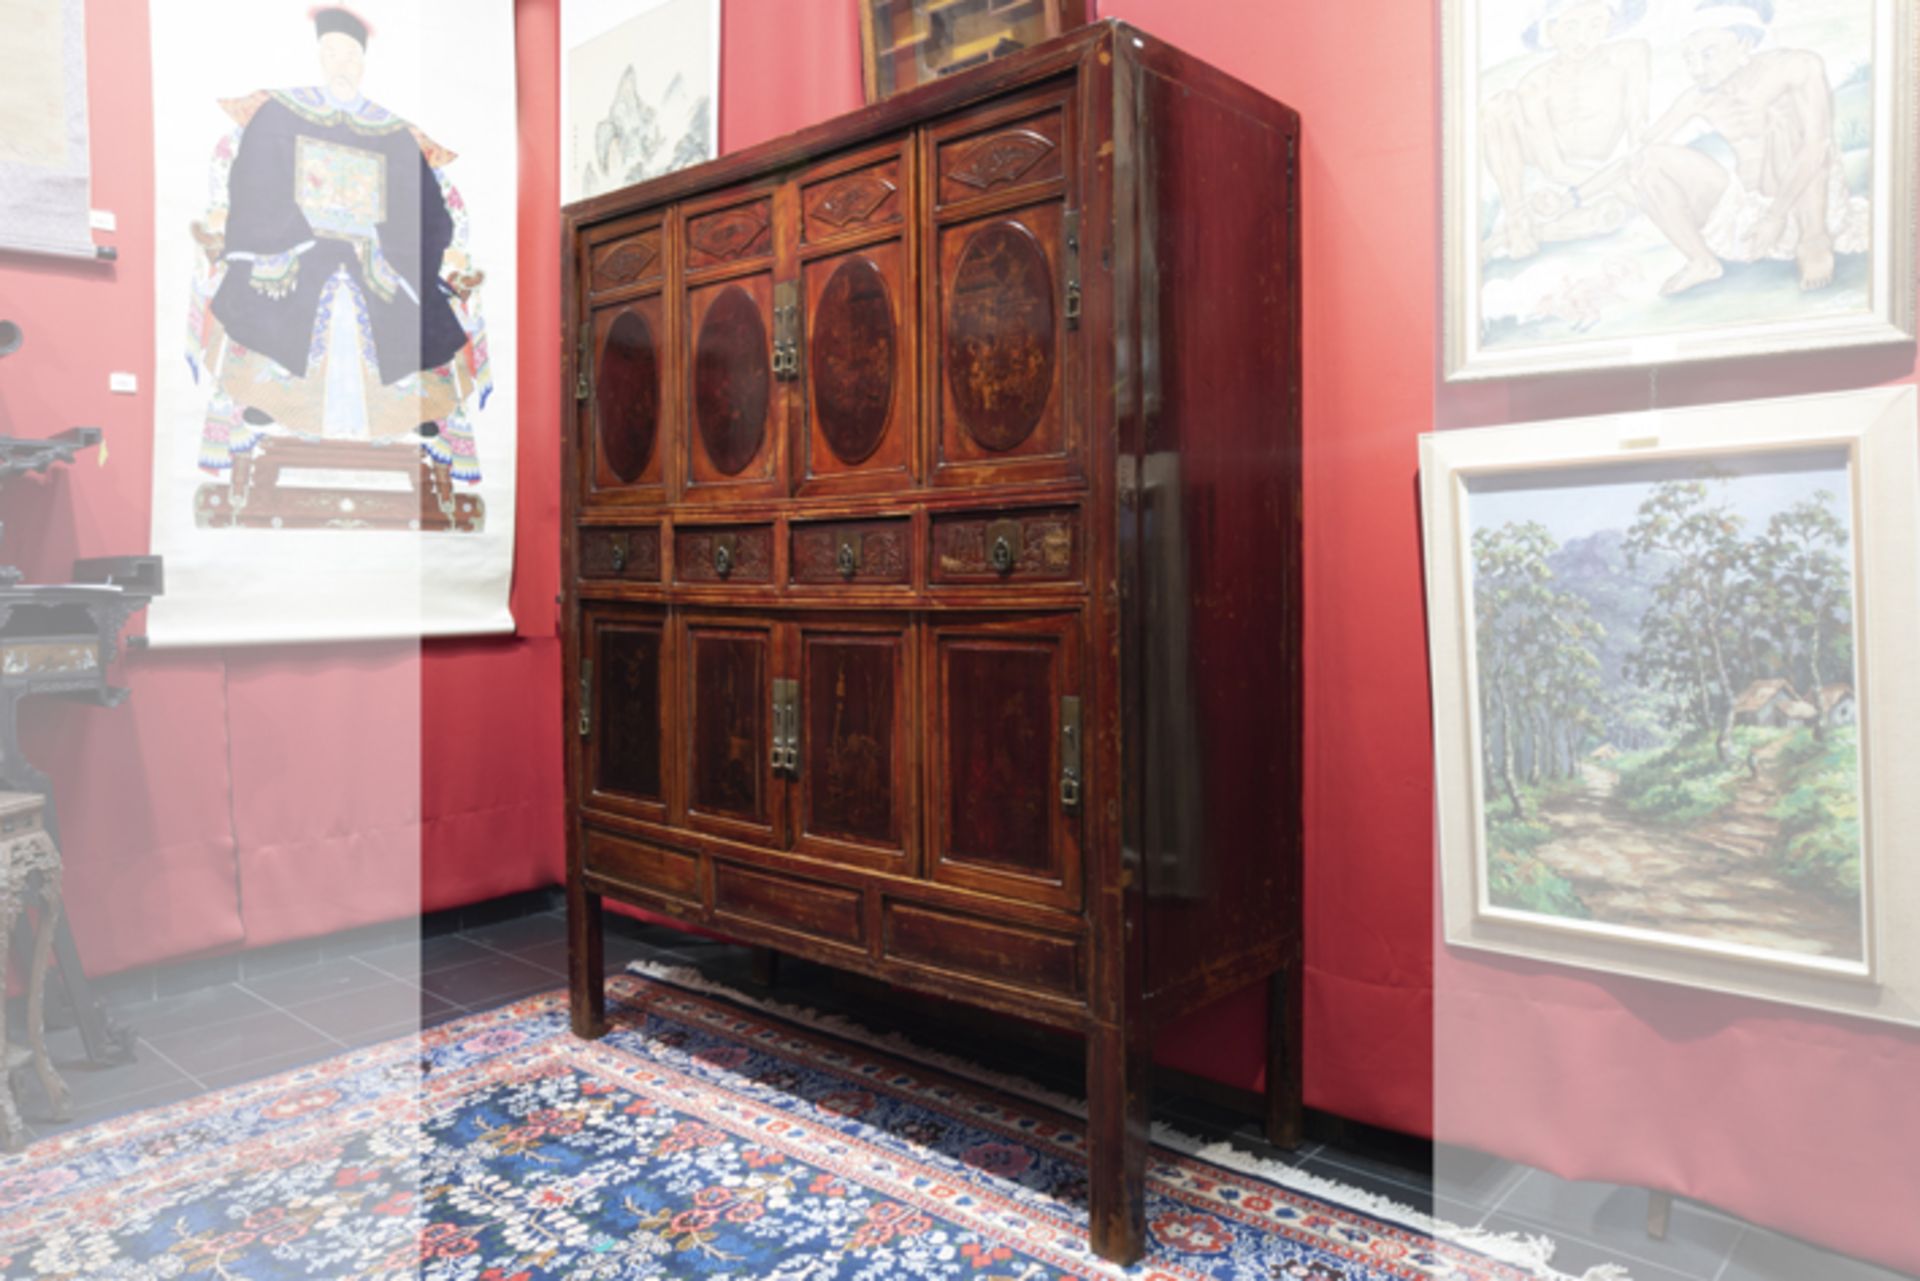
(1880, 429)
(1892, 317)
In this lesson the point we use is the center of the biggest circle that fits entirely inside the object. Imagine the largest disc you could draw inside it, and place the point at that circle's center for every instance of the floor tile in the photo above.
(519, 932)
(1574, 1256)
(552, 957)
(248, 1040)
(387, 1003)
(96, 1089)
(279, 958)
(342, 976)
(493, 980)
(1768, 1256)
(1615, 1218)
(208, 1007)
(412, 959)
(1475, 1178)
(1422, 1200)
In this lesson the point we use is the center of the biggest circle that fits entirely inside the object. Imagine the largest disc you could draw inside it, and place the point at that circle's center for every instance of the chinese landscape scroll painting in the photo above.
(1667, 701)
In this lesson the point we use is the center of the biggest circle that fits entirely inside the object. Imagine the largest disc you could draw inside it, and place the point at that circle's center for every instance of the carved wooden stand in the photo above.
(29, 876)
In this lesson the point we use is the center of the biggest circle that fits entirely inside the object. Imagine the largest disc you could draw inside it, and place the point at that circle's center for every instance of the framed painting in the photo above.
(642, 91)
(904, 43)
(1640, 182)
(1675, 702)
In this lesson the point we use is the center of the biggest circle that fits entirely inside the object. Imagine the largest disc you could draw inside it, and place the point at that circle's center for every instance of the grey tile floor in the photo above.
(208, 1024)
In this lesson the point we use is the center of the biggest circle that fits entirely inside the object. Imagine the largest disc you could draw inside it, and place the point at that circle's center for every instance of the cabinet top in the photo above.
(1096, 45)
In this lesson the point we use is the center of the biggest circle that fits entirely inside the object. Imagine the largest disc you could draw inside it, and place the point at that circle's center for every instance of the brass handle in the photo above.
(723, 560)
(779, 725)
(846, 561)
(619, 555)
(1070, 753)
(585, 722)
(1002, 556)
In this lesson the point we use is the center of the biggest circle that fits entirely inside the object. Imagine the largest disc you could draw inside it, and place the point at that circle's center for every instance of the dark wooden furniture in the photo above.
(933, 557)
(60, 640)
(29, 877)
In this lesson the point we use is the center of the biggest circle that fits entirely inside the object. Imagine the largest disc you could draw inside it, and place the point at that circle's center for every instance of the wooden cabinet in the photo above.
(933, 571)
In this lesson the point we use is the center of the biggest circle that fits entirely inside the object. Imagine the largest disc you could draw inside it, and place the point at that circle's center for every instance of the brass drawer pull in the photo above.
(847, 560)
(620, 554)
(722, 559)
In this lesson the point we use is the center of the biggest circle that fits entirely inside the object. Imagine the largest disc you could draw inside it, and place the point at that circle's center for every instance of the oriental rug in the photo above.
(703, 1137)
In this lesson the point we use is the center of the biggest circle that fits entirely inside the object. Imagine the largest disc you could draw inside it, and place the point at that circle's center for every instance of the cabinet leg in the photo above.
(1286, 1109)
(1117, 1138)
(1659, 1215)
(766, 966)
(586, 962)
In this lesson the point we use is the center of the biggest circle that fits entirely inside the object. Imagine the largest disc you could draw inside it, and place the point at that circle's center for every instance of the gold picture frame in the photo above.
(905, 43)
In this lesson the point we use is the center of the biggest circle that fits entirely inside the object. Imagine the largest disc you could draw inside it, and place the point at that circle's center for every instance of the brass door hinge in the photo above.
(1070, 781)
(1072, 252)
(586, 697)
(583, 357)
(786, 331)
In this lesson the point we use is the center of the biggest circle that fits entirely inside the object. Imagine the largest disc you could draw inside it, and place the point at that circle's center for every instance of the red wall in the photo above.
(1803, 1122)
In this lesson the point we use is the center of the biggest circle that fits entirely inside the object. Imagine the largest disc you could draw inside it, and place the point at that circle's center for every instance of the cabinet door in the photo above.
(854, 781)
(1004, 742)
(623, 685)
(735, 394)
(1003, 309)
(621, 374)
(860, 346)
(731, 787)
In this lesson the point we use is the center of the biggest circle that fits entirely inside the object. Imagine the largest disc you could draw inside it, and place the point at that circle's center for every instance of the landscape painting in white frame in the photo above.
(1641, 182)
(1675, 698)
(641, 94)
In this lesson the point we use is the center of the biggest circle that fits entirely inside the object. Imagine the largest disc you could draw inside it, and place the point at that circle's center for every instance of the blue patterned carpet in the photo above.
(699, 1139)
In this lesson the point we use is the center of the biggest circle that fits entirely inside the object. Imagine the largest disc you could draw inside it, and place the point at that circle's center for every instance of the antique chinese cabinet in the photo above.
(933, 557)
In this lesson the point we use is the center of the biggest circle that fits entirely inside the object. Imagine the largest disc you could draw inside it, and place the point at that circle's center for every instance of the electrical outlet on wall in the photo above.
(123, 384)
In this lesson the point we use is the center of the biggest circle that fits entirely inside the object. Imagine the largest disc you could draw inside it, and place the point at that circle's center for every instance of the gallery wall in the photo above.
(147, 786)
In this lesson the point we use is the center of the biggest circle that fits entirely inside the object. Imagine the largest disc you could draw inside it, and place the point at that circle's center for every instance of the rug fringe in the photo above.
(1532, 1252)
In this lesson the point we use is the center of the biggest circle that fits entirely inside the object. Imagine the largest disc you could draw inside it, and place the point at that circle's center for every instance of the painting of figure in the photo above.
(336, 298)
(1638, 181)
(1666, 662)
(336, 196)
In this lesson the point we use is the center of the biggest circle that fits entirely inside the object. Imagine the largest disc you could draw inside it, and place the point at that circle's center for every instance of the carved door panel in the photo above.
(1004, 347)
(1007, 768)
(622, 721)
(732, 784)
(860, 342)
(736, 407)
(854, 775)
(620, 375)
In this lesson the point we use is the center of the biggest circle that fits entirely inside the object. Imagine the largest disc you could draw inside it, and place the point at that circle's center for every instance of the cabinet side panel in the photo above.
(1220, 535)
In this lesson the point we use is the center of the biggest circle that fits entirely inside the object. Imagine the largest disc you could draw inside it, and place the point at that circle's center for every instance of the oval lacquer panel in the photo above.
(732, 381)
(1000, 335)
(853, 360)
(627, 396)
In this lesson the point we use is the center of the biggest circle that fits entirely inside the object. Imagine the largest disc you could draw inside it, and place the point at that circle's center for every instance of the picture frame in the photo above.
(904, 43)
(1674, 693)
(1592, 217)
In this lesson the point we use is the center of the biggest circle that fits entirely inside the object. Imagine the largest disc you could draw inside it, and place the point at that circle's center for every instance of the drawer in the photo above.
(853, 551)
(1007, 546)
(666, 873)
(631, 554)
(1010, 955)
(723, 554)
(1027, 152)
(829, 913)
